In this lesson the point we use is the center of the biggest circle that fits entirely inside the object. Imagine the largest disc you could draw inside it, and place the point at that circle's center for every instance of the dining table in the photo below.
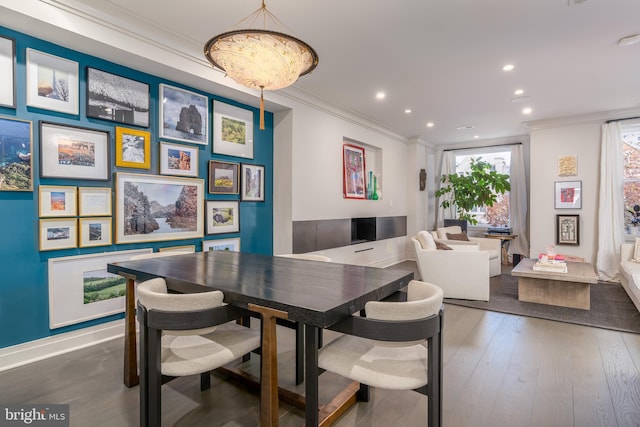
(316, 294)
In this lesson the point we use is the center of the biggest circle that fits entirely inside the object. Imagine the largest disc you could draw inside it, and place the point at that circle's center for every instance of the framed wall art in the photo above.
(133, 148)
(568, 195)
(223, 216)
(223, 177)
(57, 201)
(232, 130)
(72, 152)
(179, 160)
(58, 234)
(154, 208)
(8, 72)
(81, 289)
(117, 99)
(183, 115)
(232, 245)
(94, 232)
(187, 249)
(353, 168)
(568, 230)
(567, 166)
(52, 82)
(15, 155)
(94, 201)
(252, 183)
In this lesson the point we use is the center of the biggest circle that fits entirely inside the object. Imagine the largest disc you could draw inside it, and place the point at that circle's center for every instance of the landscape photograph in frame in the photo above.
(16, 171)
(52, 82)
(183, 115)
(8, 72)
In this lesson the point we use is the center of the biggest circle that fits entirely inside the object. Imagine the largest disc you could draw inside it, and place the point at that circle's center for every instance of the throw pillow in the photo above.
(443, 247)
(636, 251)
(426, 240)
(453, 229)
(461, 236)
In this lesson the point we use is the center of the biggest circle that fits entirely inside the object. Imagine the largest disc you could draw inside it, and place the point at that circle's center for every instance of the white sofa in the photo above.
(462, 273)
(493, 246)
(630, 272)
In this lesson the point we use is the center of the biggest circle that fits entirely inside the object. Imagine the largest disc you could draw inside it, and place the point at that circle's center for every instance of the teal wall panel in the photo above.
(24, 300)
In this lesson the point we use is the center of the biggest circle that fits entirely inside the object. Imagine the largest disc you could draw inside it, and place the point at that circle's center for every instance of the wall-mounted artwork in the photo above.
(72, 152)
(154, 208)
(94, 232)
(232, 130)
(57, 201)
(117, 99)
(52, 82)
(183, 115)
(133, 148)
(58, 234)
(568, 230)
(81, 289)
(16, 171)
(94, 201)
(232, 245)
(179, 160)
(223, 177)
(353, 172)
(222, 217)
(568, 195)
(252, 183)
(567, 166)
(184, 249)
(8, 72)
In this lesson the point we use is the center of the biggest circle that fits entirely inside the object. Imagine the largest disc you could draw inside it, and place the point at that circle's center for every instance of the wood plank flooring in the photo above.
(499, 370)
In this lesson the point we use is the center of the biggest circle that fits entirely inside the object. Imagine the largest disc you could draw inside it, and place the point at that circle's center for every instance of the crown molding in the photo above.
(595, 118)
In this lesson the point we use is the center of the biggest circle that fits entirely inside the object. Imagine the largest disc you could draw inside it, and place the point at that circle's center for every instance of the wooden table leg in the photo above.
(130, 354)
(269, 365)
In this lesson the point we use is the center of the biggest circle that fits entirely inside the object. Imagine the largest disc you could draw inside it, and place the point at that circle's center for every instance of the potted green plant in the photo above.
(479, 186)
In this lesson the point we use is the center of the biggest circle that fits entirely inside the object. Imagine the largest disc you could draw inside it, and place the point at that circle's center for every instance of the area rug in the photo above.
(611, 307)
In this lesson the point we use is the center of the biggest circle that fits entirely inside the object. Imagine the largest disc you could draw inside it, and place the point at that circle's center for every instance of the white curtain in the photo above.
(518, 204)
(611, 203)
(447, 166)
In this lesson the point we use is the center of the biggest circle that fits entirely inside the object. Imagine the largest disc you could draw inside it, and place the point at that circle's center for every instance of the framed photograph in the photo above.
(117, 99)
(153, 208)
(568, 230)
(183, 115)
(52, 82)
(568, 195)
(8, 72)
(133, 148)
(223, 216)
(94, 232)
(187, 249)
(179, 160)
(223, 177)
(58, 234)
(567, 166)
(56, 201)
(15, 155)
(232, 245)
(252, 183)
(354, 186)
(81, 289)
(232, 130)
(94, 201)
(72, 152)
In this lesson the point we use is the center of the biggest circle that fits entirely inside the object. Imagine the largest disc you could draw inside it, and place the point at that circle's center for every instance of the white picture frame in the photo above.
(238, 143)
(252, 183)
(60, 93)
(57, 201)
(232, 245)
(173, 102)
(8, 72)
(184, 249)
(58, 234)
(67, 287)
(223, 216)
(94, 201)
(568, 194)
(177, 159)
(94, 231)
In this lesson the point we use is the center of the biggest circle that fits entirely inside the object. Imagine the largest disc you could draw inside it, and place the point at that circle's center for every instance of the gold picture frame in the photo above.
(57, 201)
(94, 231)
(58, 233)
(133, 148)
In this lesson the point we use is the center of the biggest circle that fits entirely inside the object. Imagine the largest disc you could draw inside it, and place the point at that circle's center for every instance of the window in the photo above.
(631, 188)
(498, 214)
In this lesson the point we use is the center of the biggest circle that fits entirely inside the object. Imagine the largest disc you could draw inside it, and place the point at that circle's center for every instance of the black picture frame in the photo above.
(568, 229)
(107, 91)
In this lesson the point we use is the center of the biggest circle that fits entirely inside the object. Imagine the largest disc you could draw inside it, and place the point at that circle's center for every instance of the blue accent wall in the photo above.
(24, 300)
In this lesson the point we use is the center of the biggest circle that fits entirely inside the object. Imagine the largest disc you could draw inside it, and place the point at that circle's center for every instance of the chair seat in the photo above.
(367, 362)
(193, 354)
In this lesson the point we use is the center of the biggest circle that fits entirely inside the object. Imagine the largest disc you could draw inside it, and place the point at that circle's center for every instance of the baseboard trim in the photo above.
(32, 351)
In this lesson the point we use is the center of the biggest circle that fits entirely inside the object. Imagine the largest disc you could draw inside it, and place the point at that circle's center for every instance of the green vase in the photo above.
(375, 188)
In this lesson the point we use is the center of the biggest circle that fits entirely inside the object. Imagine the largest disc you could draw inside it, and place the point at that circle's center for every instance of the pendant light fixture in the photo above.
(259, 58)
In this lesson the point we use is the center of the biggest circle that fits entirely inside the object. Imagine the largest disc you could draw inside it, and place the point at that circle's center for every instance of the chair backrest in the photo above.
(425, 241)
(423, 300)
(452, 229)
(309, 257)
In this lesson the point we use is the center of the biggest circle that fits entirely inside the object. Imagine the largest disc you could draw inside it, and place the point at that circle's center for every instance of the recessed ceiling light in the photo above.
(380, 95)
(518, 92)
(465, 127)
(407, 111)
(476, 136)
(508, 67)
(629, 40)
(526, 110)
(430, 124)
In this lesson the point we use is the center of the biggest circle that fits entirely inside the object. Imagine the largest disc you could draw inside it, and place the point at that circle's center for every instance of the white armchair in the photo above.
(493, 246)
(462, 273)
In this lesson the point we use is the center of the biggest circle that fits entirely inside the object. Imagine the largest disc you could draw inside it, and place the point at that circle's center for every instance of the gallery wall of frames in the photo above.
(100, 162)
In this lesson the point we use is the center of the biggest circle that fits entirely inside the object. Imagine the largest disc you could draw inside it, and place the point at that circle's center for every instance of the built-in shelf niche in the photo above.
(372, 161)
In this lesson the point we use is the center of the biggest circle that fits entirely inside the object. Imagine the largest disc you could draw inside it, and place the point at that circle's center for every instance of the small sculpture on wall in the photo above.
(423, 179)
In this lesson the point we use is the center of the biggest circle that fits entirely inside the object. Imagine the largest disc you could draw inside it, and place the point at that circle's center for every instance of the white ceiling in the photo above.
(441, 58)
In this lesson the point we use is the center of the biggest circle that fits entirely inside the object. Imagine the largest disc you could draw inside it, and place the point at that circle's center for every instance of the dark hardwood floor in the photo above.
(499, 370)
